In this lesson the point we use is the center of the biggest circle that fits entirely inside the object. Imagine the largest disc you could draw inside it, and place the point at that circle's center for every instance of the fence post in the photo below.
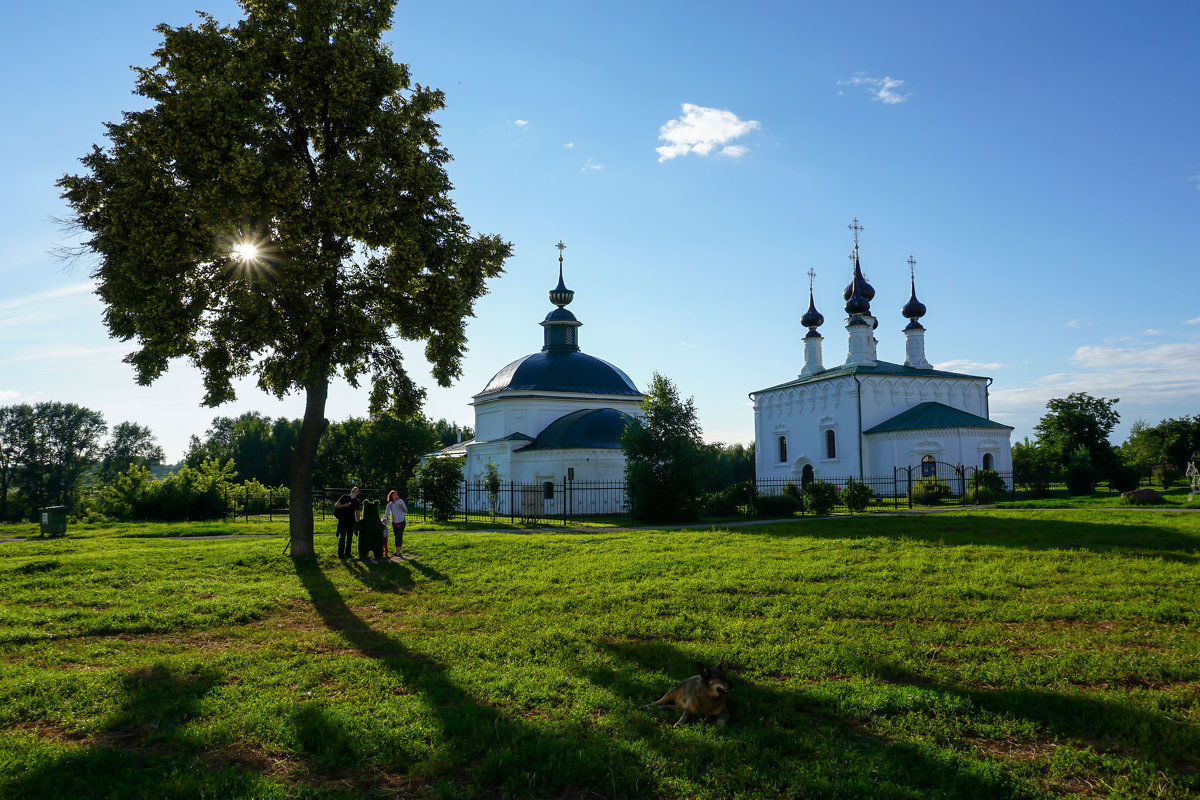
(270, 505)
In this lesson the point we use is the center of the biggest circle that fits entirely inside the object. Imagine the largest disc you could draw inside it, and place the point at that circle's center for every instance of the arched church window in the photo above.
(988, 461)
(806, 475)
(783, 448)
(830, 444)
(548, 490)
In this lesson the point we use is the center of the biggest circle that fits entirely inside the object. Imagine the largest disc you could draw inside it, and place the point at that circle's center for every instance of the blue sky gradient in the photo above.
(1040, 162)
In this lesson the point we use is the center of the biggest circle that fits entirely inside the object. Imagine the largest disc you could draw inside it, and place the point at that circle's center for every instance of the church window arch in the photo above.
(988, 461)
(783, 449)
(807, 475)
(830, 443)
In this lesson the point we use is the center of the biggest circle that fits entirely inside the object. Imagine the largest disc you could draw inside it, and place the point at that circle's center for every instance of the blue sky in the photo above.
(1040, 161)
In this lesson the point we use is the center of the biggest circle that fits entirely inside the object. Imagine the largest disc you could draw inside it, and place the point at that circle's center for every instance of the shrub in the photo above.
(776, 505)
(792, 490)
(189, 494)
(1123, 478)
(491, 484)
(930, 491)
(1081, 476)
(1166, 475)
(820, 497)
(730, 500)
(437, 480)
(986, 486)
(855, 495)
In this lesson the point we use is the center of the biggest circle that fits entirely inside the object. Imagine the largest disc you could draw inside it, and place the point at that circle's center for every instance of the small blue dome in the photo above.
(561, 370)
(812, 318)
(914, 308)
(591, 428)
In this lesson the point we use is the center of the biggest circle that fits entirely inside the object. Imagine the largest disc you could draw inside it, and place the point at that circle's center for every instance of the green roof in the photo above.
(933, 415)
(880, 368)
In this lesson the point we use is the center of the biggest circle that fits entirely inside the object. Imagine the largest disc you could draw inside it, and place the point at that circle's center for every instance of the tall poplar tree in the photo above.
(281, 209)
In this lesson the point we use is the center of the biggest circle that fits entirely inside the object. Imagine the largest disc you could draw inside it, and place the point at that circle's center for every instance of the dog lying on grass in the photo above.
(703, 695)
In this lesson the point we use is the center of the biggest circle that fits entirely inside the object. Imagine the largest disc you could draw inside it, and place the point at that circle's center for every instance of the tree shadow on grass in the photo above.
(784, 742)
(136, 753)
(478, 746)
(1091, 719)
(1145, 539)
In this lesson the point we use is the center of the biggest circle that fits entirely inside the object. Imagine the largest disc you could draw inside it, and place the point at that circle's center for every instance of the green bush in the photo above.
(985, 486)
(1123, 478)
(189, 494)
(1166, 475)
(855, 495)
(437, 480)
(820, 497)
(1081, 475)
(729, 501)
(776, 505)
(930, 491)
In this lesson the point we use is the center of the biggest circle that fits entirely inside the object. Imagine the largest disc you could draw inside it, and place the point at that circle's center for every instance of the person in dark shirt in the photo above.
(346, 510)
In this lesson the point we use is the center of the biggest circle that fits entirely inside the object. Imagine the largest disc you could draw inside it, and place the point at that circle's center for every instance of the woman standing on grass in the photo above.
(397, 512)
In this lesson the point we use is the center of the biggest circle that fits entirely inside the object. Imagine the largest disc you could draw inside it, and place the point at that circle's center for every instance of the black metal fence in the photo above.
(563, 501)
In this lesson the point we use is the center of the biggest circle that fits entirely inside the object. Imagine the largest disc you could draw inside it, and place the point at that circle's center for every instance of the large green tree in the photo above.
(1079, 420)
(130, 444)
(664, 456)
(280, 209)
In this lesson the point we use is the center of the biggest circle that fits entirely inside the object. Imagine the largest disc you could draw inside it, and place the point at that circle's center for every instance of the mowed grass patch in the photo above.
(961, 654)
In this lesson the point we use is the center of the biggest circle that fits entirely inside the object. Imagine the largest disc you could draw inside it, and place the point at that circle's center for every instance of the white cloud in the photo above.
(734, 150)
(689, 344)
(7, 394)
(966, 365)
(1077, 323)
(590, 167)
(1153, 332)
(882, 89)
(1184, 354)
(521, 123)
(1195, 321)
(86, 287)
(701, 130)
(569, 145)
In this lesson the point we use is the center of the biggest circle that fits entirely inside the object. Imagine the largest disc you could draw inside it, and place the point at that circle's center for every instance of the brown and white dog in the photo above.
(703, 695)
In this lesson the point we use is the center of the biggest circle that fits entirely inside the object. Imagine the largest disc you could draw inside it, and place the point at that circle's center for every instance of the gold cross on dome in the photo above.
(854, 226)
(811, 276)
(912, 266)
(560, 247)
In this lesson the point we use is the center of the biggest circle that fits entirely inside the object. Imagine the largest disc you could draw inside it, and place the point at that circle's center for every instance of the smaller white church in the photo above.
(865, 416)
(553, 414)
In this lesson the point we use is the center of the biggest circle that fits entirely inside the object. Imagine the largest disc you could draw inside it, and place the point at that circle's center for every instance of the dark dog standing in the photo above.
(703, 695)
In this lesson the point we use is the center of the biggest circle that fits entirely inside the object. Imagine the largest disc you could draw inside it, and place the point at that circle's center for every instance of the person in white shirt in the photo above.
(397, 512)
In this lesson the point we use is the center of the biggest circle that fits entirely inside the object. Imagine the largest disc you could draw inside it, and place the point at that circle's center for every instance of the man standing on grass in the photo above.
(346, 510)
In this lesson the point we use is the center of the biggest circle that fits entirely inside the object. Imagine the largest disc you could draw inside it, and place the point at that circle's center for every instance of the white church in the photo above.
(864, 417)
(554, 414)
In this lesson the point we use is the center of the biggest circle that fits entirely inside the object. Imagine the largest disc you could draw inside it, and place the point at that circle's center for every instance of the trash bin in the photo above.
(54, 520)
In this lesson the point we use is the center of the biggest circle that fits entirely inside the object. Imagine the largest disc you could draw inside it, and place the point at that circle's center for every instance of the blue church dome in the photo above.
(561, 371)
(589, 428)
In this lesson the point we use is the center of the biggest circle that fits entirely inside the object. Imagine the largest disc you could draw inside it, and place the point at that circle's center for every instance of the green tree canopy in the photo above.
(1079, 420)
(664, 456)
(261, 448)
(129, 444)
(45, 451)
(1172, 441)
(281, 209)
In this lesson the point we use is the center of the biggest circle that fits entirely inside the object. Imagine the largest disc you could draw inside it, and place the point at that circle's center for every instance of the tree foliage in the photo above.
(664, 456)
(45, 451)
(129, 444)
(261, 448)
(296, 133)
(1171, 441)
(726, 464)
(437, 482)
(1079, 420)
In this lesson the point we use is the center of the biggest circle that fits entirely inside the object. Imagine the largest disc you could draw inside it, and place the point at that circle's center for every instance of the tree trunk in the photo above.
(300, 514)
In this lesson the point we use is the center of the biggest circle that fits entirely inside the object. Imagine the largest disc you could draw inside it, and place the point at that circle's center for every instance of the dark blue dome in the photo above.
(561, 371)
(914, 308)
(812, 318)
(596, 428)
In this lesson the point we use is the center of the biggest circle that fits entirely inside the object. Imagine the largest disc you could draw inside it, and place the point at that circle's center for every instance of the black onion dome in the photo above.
(864, 288)
(856, 303)
(561, 370)
(812, 318)
(560, 295)
(914, 308)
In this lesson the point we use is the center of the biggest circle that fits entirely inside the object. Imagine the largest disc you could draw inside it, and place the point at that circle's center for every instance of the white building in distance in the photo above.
(553, 414)
(865, 417)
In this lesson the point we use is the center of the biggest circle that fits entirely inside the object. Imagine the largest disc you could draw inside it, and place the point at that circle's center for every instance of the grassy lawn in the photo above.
(986, 654)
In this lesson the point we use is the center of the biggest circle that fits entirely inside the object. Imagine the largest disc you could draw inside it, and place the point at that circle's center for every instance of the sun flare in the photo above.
(246, 252)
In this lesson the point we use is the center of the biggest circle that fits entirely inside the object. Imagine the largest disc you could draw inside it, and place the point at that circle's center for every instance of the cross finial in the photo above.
(854, 226)
(811, 276)
(560, 247)
(912, 267)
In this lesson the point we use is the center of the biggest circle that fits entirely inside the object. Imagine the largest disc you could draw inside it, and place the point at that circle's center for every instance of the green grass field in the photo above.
(998, 654)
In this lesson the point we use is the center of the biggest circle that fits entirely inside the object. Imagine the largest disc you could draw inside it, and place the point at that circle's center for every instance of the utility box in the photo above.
(54, 520)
